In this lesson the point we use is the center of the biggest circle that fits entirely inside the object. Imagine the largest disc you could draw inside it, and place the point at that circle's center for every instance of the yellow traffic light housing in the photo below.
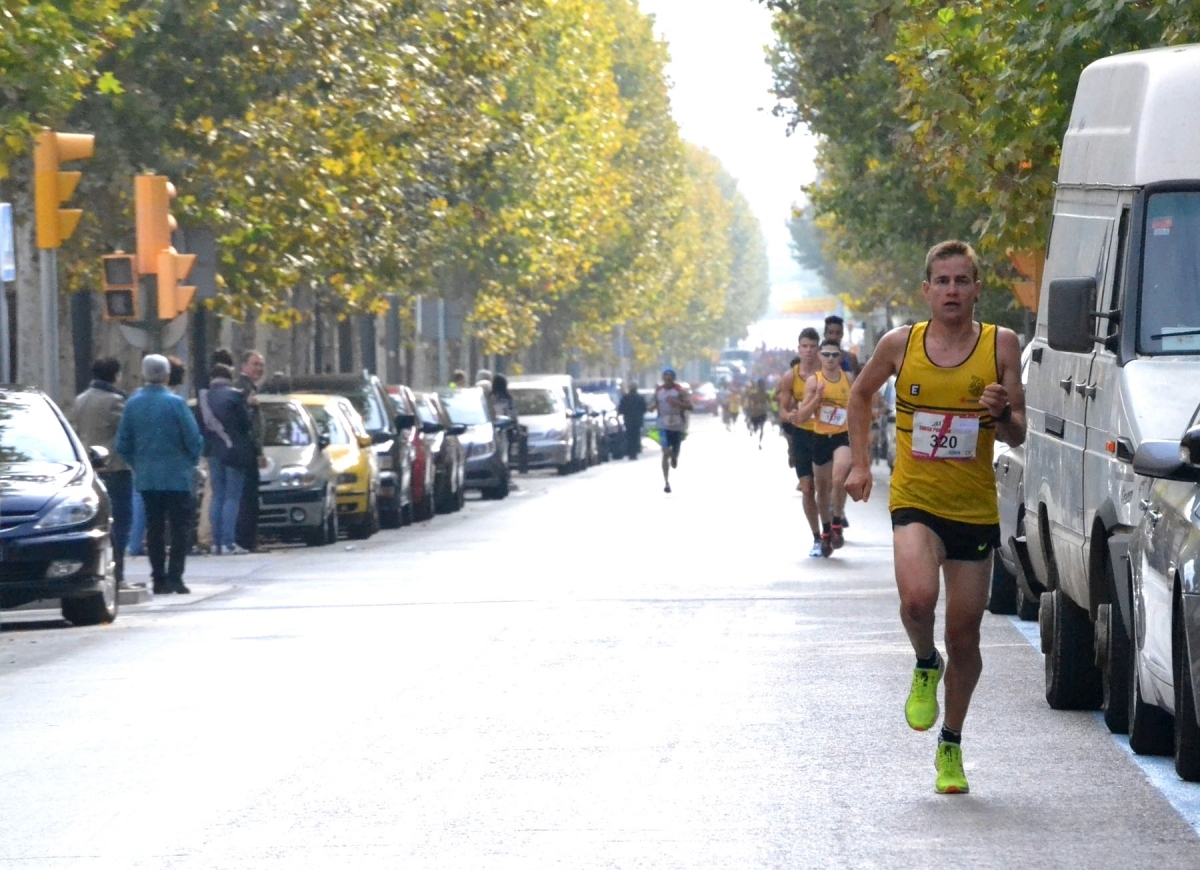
(174, 298)
(152, 195)
(52, 187)
(120, 287)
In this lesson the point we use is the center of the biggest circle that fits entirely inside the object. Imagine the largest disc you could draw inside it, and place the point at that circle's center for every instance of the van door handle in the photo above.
(1086, 390)
(1066, 382)
(1154, 517)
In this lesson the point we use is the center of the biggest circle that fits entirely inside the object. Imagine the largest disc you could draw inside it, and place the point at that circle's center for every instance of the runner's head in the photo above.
(952, 284)
(808, 341)
(831, 356)
(668, 376)
(835, 328)
(946, 250)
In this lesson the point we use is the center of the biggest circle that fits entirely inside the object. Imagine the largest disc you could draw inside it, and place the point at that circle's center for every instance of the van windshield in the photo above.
(1169, 322)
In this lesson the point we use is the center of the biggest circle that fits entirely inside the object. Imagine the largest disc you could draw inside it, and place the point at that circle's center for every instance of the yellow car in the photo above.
(352, 456)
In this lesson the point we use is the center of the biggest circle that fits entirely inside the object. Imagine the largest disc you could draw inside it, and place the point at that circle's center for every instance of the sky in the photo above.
(721, 98)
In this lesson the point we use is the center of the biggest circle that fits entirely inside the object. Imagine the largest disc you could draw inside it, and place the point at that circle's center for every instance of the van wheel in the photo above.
(1187, 728)
(1150, 727)
(1003, 599)
(1072, 678)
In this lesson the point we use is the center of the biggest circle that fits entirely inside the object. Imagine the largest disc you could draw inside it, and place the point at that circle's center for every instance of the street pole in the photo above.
(443, 374)
(48, 264)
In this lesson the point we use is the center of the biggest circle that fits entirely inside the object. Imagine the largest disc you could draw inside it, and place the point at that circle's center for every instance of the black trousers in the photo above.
(633, 438)
(120, 498)
(167, 512)
(246, 533)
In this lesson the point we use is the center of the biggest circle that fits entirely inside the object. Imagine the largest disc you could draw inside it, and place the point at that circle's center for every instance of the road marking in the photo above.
(1184, 797)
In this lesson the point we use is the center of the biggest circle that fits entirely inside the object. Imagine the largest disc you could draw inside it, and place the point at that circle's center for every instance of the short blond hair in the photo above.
(946, 250)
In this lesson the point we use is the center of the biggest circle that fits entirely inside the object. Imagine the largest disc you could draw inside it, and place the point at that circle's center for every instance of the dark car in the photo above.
(391, 432)
(423, 473)
(449, 459)
(55, 522)
(1152, 628)
(485, 439)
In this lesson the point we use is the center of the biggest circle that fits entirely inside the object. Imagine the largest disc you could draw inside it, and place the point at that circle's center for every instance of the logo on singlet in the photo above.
(976, 387)
(915, 389)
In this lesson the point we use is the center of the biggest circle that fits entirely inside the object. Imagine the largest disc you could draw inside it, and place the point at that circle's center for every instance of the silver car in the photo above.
(543, 411)
(297, 497)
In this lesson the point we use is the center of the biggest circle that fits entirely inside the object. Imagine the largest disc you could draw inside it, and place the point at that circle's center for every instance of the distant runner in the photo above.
(825, 398)
(673, 403)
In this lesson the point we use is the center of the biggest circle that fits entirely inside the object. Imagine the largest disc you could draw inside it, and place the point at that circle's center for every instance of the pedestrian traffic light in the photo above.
(173, 297)
(152, 195)
(120, 286)
(52, 187)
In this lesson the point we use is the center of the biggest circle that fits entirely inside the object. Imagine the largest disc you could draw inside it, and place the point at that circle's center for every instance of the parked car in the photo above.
(390, 432)
(297, 490)
(543, 412)
(423, 472)
(704, 400)
(1161, 642)
(1015, 590)
(354, 461)
(484, 439)
(441, 436)
(582, 434)
(55, 522)
(612, 433)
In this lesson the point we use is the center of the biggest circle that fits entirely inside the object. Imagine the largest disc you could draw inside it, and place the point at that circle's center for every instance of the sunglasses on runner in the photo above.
(831, 354)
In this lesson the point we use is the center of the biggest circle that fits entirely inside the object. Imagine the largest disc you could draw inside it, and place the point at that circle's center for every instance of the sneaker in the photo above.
(667, 488)
(921, 709)
(674, 460)
(180, 589)
(826, 546)
(843, 522)
(835, 537)
(817, 550)
(234, 550)
(950, 776)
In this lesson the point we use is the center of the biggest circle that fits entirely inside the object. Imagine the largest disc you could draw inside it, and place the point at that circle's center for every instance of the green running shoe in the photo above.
(950, 778)
(921, 708)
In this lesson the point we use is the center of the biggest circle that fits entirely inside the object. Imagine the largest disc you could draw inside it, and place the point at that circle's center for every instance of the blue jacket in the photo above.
(226, 424)
(160, 440)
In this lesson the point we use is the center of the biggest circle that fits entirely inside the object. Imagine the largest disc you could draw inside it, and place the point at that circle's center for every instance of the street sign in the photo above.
(8, 244)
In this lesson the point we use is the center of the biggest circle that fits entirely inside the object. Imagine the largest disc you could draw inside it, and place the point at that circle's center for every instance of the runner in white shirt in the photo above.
(673, 403)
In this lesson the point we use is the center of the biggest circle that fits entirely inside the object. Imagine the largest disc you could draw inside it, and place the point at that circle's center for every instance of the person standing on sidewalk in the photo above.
(632, 409)
(253, 369)
(673, 403)
(226, 426)
(791, 394)
(159, 439)
(95, 417)
(958, 388)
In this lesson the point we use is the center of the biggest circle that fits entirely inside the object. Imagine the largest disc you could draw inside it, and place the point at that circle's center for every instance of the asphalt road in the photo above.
(589, 674)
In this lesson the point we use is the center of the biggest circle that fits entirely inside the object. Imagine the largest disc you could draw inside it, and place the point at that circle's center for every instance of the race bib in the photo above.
(944, 436)
(832, 415)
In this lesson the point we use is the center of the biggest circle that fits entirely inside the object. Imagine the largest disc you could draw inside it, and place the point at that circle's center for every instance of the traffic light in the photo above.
(120, 287)
(152, 195)
(52, 187)
(173, 297)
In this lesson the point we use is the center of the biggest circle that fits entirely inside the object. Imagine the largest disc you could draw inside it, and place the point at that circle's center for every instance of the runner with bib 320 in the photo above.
(958, 388)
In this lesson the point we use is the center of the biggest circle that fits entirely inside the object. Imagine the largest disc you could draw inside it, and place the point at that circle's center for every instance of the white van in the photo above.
(1115, 360)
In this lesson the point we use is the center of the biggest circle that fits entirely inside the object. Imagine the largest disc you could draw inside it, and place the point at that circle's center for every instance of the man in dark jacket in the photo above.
(95, 417)
(159, 439)
(253, 369)
(632, 410)
(225, 422)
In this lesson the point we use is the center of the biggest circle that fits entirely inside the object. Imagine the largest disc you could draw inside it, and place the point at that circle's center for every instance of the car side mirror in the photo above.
(428, 428)
(381, 437)
(406, 421)
(1070, 308)
(366, 440)
(503, 422)
(1167, 460)
(593, 413)
(98, 456)
(457, 429)
(322, 441)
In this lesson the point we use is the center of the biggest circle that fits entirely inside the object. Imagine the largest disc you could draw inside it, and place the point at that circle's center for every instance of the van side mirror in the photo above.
(1070, 306)
(405, 421)
(430, 428)
(1167, 460)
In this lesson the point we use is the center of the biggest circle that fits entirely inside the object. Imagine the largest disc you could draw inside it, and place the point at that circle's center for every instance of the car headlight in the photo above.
(551, 435)
(75, 508)
(296, 475)
(347, 477)
(479, 448)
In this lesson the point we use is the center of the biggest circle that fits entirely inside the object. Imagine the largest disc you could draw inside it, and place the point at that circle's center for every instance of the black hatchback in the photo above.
(55, 524)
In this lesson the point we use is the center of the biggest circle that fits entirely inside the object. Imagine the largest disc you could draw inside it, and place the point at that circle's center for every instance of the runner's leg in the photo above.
(918, 554)
(841, 470)
(967, 588)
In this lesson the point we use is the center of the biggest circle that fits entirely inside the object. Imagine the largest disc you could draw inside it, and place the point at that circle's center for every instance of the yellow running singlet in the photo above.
(831, 414)
(798, 382)
(944, 437)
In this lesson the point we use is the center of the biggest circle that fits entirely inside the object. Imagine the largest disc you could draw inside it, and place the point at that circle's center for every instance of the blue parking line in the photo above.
(1184, 797)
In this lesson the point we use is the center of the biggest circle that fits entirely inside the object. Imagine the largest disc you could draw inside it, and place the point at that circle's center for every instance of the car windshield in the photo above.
(328, 424)
(466, 407)
(31, 432)
(283, 426)
(1169, 322)
(366, 402)
(534, 402)
(599, 401)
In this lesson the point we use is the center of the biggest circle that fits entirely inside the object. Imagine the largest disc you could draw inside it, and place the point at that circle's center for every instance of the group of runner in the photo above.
(957, 386)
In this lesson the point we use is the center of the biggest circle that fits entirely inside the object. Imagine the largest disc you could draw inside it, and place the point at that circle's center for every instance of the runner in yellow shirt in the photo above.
(825, 398)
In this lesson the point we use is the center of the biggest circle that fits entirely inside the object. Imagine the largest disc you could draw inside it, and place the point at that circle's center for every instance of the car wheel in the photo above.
(391, 516)
(327, 533)
(1072, 678)
(1027, 608)
(1003, 599)
(1150, 727)
(362, 529)
(1187, 728)
(426, 508)
(96, 608)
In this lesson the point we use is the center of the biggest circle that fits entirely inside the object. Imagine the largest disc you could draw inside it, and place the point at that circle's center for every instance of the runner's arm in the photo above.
(1008, 393)
(787, 401)
(812, 400)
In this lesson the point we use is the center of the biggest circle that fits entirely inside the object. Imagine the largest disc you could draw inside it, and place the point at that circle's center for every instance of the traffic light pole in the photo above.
(48, 267)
